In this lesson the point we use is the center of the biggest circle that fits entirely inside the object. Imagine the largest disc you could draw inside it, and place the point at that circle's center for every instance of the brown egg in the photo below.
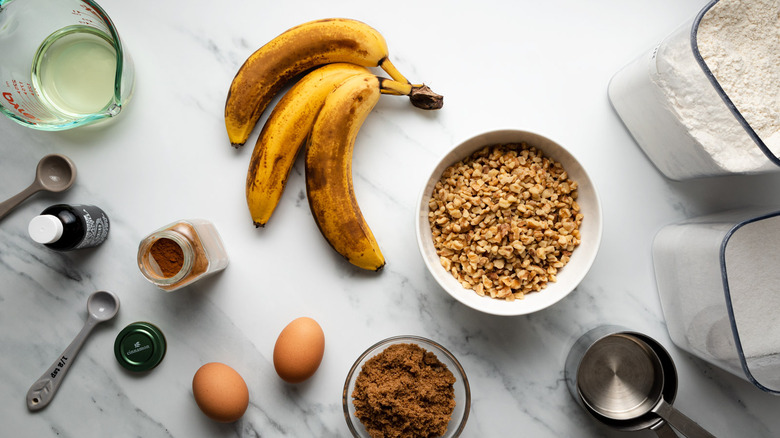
(220, 392)
(298, 350)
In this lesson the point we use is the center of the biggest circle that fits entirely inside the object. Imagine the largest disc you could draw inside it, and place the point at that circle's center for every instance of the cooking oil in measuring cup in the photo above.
(63, 64)
(74, 71)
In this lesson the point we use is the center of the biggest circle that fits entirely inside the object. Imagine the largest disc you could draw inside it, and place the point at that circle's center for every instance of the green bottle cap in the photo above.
(140, 346)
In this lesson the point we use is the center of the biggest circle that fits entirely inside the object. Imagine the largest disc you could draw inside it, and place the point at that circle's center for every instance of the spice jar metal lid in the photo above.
(140, 346)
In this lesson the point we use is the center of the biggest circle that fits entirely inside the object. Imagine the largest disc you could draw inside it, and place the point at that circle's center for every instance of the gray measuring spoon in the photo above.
(622, 378)
(101, 306)
(55, 173)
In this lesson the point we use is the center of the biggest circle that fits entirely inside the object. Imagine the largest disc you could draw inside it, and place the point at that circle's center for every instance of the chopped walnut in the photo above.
(505, 220)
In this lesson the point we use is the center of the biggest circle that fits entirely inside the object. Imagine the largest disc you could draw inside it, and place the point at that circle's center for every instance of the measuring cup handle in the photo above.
(10, 203)
(663, 430)
(680, 421)
(42, 391)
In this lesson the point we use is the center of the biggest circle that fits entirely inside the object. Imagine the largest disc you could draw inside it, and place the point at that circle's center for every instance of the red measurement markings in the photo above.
(21, 91)
(83, 19)
(94, 12)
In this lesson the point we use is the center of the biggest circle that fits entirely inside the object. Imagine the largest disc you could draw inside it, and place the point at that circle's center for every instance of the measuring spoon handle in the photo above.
(680, 421)
(42, 391)
(9, 204)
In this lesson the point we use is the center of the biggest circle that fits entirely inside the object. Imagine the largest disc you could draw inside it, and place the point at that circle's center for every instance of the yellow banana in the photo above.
(296, 50)
(329, 169)
(285, 132)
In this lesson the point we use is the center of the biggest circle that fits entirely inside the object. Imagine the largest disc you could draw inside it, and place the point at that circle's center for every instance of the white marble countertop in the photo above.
(538, 66)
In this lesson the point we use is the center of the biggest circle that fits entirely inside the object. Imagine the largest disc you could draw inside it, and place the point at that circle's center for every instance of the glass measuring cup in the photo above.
(63, 64)
(717, 279)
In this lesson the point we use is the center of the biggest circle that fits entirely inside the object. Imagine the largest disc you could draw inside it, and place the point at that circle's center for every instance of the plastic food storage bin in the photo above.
(680, 115)
(719, 284)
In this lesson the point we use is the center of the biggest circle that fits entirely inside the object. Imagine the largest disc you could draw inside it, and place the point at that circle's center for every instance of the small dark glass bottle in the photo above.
(65, 227)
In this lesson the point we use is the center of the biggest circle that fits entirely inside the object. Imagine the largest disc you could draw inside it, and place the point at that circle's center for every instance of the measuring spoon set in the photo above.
(56, 173)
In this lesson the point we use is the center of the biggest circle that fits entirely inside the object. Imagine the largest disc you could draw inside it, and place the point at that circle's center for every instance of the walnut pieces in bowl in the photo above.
(509, 222)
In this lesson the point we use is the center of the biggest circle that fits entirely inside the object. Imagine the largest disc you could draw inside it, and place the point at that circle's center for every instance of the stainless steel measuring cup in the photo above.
(628, 381)
(63, 64)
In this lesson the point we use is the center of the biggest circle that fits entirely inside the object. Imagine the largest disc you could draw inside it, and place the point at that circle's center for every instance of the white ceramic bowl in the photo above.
(567, 278)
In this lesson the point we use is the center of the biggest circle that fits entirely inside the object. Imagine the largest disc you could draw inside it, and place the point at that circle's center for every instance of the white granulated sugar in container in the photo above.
(739, 41)
(752, 257)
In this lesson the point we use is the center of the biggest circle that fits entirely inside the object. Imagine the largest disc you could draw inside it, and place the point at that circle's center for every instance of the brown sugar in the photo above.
(404, 391)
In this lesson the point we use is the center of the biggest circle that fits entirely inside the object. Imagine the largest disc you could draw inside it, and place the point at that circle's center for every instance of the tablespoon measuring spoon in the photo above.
(622, 378)
(55, 173)
(101, 306)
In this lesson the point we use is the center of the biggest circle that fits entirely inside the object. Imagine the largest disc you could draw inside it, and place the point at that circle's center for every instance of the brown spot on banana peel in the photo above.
(350, 228)
(377, 269)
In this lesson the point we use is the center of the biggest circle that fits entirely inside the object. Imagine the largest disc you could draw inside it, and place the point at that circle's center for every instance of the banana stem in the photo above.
(392, 71)
(424, 98)
(395, 88)
(421, 96)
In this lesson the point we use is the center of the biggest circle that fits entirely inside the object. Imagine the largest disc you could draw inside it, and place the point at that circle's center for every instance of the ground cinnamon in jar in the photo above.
(181, 253)
(404, 391)
(168, 255)
(200, 261)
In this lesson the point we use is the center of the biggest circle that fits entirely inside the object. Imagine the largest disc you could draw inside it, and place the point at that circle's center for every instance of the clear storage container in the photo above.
(680, 115)
(719, 286)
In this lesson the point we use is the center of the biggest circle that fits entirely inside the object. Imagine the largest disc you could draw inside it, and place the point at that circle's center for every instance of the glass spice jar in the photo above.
(181, 253)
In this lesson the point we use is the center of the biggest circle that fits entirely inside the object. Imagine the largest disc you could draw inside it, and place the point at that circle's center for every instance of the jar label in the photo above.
(95, 226)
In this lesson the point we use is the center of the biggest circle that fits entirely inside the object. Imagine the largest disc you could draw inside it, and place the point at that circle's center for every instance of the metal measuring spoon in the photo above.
(622, 378)
(101, 306)
(55, 173)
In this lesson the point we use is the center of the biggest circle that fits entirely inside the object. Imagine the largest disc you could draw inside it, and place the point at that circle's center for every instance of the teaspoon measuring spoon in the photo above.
(55, 173)
(101, 306)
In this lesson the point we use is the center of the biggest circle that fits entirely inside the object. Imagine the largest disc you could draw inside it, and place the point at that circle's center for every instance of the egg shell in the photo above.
(299, 349)
(220, 392)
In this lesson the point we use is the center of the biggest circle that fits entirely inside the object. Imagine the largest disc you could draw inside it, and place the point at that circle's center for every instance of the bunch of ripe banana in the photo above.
(324, 110)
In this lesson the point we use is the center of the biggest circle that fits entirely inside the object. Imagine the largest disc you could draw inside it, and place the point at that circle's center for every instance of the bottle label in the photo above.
(95, 225)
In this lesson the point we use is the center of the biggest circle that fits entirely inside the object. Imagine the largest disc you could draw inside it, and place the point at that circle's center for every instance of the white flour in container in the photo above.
(739, 41)
(752, 257)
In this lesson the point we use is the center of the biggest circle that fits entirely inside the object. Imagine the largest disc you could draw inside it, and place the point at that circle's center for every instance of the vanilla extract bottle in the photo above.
(64, 227)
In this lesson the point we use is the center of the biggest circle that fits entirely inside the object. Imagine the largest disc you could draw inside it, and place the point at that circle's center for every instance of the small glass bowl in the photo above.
(461, 386)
